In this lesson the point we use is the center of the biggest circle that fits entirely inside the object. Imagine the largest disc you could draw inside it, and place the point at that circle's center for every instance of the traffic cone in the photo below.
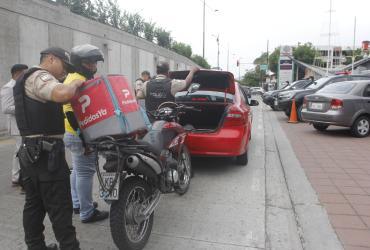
(293, 113)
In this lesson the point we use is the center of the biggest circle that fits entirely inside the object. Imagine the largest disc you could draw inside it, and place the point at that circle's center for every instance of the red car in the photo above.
(222, 125)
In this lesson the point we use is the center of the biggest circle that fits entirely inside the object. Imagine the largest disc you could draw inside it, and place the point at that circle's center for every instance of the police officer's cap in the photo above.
(61, 54)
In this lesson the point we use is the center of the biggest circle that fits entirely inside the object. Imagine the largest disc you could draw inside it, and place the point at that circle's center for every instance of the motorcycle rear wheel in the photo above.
(184, 170)
(126, 233)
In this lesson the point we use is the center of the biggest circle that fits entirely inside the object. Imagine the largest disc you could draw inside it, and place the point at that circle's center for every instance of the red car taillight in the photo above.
(336, 104)
(304, 103)
(235, 117)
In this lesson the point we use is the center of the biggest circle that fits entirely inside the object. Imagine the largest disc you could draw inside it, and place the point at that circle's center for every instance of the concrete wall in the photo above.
(29, 26)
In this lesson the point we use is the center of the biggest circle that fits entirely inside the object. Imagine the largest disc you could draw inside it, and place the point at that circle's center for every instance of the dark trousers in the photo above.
(54, 198)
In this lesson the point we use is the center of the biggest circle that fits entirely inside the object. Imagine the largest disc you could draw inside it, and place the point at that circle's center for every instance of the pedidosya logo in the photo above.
(93, 117)
(85, 102)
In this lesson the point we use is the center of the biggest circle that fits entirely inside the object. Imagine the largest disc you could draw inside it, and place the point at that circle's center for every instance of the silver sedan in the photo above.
(342, 104)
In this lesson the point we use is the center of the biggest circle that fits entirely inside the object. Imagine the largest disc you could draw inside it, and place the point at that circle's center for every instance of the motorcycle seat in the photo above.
(154, 140)
(158, 140)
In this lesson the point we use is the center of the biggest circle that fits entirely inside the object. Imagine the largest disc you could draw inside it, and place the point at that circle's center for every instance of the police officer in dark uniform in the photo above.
(161, 88)
(38, 97)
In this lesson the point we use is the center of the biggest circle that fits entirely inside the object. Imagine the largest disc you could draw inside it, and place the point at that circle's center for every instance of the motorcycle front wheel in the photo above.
(127, 232)
(184, 170)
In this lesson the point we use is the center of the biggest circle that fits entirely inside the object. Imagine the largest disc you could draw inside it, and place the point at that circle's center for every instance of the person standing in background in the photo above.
(8, 108)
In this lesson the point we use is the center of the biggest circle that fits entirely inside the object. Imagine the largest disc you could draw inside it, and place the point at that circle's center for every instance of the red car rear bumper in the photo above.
(225, 142)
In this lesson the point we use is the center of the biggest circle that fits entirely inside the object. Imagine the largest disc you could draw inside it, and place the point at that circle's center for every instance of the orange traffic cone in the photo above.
(293, 113)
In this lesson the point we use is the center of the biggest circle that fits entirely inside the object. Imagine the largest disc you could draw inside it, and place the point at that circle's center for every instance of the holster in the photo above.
(32, 150)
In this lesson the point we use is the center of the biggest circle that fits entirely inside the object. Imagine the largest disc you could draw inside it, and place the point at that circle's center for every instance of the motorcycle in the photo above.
(138, 171)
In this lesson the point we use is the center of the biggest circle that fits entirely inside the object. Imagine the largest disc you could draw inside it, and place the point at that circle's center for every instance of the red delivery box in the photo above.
(106, 105)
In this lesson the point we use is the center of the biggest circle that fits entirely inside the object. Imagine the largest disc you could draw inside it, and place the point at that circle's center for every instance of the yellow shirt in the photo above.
(67, 107)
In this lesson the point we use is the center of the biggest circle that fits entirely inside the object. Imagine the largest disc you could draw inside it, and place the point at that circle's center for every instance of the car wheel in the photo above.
(361, 127)
(320, 127)
(242, 159)
(287, 112)
(299, 112)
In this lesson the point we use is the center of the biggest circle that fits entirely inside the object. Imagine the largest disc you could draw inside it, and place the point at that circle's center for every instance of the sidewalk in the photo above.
(338, 167)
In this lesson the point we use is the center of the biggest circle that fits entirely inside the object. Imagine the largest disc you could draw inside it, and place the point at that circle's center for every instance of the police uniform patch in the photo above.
(46, 77)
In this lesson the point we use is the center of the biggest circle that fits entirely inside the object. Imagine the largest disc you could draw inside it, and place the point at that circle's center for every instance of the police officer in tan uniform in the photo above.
(38, 96)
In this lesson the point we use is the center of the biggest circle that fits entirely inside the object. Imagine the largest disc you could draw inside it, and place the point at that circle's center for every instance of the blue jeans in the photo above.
(82, 175)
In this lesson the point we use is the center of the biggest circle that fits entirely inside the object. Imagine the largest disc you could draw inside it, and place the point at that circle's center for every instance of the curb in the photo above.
(311, 217)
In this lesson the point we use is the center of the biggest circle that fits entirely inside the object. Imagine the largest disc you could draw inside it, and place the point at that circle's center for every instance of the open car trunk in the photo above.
(209, 119)
(215, 95)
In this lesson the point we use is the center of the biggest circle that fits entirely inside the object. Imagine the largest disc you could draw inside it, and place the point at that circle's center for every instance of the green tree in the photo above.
(115, 14)
(200, 61)
(274, 60)
(102, 11)
(182, 49)
(135, 23)
(252, 78)
(149, 31)
(357, 54)
(163, 37)
(305, 53)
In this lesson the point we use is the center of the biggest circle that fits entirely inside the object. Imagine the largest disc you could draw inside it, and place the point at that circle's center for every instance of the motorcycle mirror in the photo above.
(194, 87)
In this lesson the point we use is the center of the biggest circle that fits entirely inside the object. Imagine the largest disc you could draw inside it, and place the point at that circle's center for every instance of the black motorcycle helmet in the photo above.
(85, 53)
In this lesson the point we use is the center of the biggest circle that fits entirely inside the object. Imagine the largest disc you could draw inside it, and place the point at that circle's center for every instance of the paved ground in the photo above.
(338, 167)
(268, 204)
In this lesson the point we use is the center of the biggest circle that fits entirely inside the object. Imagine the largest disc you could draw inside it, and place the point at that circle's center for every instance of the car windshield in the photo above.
(338, 88)
(318, 83)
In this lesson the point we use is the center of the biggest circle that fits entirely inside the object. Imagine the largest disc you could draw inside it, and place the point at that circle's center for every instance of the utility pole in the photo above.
(354, 46)
(228, 55)
(204, 25)
(329, 48)
(218, 52)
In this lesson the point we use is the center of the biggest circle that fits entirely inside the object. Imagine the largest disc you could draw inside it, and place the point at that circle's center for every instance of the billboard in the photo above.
(285, 65)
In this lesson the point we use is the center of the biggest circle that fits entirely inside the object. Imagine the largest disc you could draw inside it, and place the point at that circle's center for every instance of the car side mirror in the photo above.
(254, 103)
(194, 87)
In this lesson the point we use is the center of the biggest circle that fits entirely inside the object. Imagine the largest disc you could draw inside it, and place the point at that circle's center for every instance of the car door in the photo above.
(244, 102)
(366, 100)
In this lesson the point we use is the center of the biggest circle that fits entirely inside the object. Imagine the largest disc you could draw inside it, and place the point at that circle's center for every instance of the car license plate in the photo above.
(108, 179)
(317, 105)
(275, 102)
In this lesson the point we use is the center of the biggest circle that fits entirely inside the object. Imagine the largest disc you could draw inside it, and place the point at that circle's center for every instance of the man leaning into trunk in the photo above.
(161, 88)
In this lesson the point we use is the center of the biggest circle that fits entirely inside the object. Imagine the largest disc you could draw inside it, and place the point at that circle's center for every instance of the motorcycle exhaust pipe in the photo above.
(132, 161)
(136, 164)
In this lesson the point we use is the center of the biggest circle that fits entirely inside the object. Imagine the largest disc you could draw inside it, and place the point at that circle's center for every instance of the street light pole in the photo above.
(218, 52)
(204, 25)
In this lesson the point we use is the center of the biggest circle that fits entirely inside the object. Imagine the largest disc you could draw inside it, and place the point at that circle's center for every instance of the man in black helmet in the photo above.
(84, 58)
(161, 88)
(38, 98)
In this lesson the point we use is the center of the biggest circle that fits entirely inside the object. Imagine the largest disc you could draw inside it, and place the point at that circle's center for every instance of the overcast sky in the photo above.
(247, 25)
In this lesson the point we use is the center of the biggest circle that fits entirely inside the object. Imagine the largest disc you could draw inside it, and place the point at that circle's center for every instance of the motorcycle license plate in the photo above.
(108, 179)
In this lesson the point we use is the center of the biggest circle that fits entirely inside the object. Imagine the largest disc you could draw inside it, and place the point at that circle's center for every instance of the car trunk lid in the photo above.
(221, 81)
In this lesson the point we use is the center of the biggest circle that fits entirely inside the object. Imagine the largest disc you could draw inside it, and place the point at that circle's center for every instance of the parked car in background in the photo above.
(270, 97)
(285, 99)
(222, 125)
(341, 104)
(247, 91)
(257, 91)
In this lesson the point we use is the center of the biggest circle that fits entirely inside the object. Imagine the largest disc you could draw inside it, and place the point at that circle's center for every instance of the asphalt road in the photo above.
(227, 206)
